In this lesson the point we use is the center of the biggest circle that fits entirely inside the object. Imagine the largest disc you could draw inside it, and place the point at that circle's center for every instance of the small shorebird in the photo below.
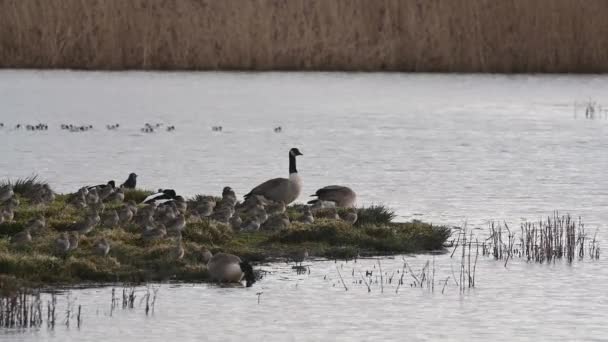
(350, 216)
(102, 247)
(22, 237)
(125, 214)
(117, 196)
(177, 224)
(74, 239)
(6, 192)
(62, 243)
(178, 252)
(111, 219)
(308, 217)
(276, 222)
(154, 233)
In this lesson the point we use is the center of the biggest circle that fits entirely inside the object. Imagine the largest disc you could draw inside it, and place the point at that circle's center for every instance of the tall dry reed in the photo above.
(407, 35)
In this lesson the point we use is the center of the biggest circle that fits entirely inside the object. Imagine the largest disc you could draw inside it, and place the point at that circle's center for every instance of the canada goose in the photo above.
(342, 196)
(284, 190)
(165, 194)
(350, 216)
(111, 219)
(117, 196)
(102, 247)
(6, 192)
(131, 182)
(229, 268)
(62, 243)
(22, 237)
(276, 222)
(74, 239)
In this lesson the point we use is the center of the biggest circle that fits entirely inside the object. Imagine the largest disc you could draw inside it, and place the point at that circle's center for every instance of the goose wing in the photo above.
(270, 189)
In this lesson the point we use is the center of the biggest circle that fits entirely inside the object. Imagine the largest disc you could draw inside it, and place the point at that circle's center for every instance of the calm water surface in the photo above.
(442, 148)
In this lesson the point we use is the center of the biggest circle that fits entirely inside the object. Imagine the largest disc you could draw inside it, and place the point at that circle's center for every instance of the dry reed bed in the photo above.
(405, 35)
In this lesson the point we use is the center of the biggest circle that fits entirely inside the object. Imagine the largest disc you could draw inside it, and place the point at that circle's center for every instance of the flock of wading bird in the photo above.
(165, 214)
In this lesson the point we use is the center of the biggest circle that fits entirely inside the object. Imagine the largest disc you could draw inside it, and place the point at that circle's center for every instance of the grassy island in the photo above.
(134, 259)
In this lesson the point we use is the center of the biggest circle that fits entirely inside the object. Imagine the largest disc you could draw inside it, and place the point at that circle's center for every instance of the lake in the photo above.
(447, 149)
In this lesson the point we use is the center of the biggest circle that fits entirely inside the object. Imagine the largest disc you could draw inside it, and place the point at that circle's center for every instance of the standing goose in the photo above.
(229, 268)
(284, 190)
(342, 196)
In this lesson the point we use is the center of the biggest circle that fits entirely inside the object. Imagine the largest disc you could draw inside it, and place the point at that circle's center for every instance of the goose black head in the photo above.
(295, 152)
(132, 175)
(249, 275)
(112, 184)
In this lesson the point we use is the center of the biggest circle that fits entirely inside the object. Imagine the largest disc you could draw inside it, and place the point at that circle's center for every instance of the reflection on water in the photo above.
(443, 148)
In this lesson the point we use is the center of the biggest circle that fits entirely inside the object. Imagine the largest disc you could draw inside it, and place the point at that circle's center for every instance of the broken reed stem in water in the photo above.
(341, 279)
(381, 277)
(556, 238)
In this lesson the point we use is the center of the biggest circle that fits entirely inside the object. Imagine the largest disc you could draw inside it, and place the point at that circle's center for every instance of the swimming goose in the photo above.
(6, 192)
(102, 247)
(131, 182)
(284, 190)
(342, 196)
(22, 237)
(229, 268)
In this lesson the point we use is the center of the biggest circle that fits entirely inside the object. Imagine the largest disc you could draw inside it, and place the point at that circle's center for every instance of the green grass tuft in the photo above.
(375, 215)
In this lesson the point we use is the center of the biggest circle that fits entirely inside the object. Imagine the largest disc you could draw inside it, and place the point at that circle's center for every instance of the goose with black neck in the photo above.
(284, 190)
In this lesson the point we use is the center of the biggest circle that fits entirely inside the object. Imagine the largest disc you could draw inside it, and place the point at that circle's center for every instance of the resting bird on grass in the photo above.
(131, 182)
(22, 237)
(342, 196)
(276, 222)
(102, 247)
(6, 192)
(350, 216)
(62, 244)
(74, 239)
(117, 196)
(308, 217)
(111, 219)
